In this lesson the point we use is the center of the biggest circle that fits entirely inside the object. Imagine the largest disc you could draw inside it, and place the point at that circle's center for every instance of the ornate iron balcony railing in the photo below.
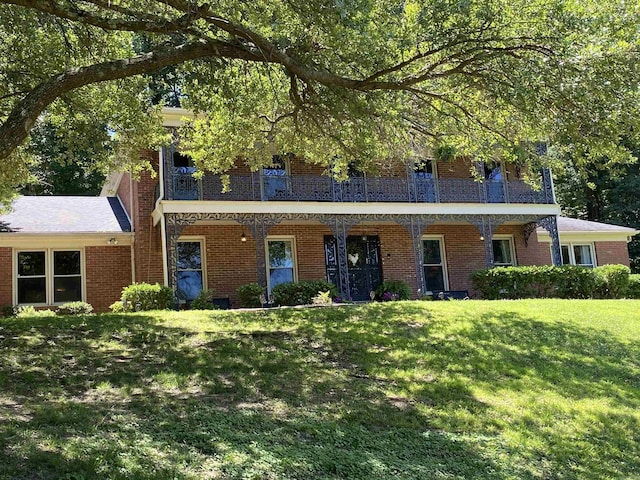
(183, 186)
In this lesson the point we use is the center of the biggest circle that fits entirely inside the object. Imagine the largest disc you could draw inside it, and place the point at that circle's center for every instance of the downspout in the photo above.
(163, 227)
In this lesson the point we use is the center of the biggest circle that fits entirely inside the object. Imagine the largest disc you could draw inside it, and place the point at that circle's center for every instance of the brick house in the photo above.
(430, 224)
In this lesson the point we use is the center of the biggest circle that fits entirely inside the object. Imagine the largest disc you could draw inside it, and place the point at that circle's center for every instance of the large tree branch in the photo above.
(25, 113)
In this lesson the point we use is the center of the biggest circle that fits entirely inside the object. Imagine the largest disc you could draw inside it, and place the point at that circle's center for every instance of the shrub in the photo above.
(7, 311)
(393, 290)
(322, 298)
(614, 280)
(117, 307)
(141, 297)
(567, 281)
(27, 311)
(633, 289)
(301, 293)
(249, 295)
(203, 301)
(75, 308)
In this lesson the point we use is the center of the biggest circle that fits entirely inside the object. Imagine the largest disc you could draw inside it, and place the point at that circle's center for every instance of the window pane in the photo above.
(67, 289)
(280, 254)
(32, 290)
(190, 284)
(424, 169)
(66, 263)
(502, 252)
(432, 252)
(31, 263)
(189, 256)
(434, 278)
(280, 275)
(583, 255)
(566, 259)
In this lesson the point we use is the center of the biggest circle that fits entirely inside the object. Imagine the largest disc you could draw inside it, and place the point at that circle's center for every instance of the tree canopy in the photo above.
(337, 81)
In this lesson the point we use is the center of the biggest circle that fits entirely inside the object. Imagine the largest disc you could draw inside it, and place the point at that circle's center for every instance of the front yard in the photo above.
(461, 389)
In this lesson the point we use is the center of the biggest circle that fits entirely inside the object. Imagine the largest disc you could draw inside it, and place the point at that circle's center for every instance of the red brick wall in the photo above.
(148, 247)
(612, 252)
(108, 272)
(6, 276)
(124, 193)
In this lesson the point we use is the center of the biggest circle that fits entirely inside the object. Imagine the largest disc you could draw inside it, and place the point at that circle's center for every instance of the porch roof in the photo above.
(65, 214)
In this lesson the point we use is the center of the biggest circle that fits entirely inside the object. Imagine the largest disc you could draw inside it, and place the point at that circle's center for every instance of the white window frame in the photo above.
(434, 167)
(443, 259)
(512, 249)
(286, 177)
(294, 254)
(49, 274)
(203, 256)
(572, 258)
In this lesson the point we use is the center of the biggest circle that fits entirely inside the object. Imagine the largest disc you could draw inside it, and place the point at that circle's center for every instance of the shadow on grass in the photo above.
(331, 393)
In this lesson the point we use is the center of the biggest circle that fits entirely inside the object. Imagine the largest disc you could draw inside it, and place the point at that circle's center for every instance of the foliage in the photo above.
(203, 301)
(614, 279)
(323, 298)
(28, 311)
(140, 297)
(633, 290)
(250, 295)
(7, 311)
(301, 293)
(393, 290)
(74, 308)
(481, 79)
(410, 390)
(568, 281)
(117, 307)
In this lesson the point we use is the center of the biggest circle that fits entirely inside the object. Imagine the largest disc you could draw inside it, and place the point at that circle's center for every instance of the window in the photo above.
(435, 272)
(281, 261)
(503, 255)
(190, 272)
(574, 254)
(46, 277)
(275, 178)
(424, 169)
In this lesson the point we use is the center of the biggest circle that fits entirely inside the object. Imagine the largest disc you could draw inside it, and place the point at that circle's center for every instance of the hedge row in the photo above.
(608, 281)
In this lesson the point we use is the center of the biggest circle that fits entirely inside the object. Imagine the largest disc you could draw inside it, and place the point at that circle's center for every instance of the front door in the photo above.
(363, 262)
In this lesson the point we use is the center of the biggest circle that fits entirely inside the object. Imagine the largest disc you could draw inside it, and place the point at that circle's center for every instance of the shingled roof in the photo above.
(53, 214)
(574, 225)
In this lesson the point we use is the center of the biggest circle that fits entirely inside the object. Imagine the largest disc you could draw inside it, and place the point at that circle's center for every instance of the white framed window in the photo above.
(434, 264)
(281, 261)
(191, 267)
(504, 254)
(581, 254)
(425, 169)
(49, 276)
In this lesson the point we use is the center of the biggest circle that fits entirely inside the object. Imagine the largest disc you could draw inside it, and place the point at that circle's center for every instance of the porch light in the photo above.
(112, 241)
(481, 238)
(243, 237)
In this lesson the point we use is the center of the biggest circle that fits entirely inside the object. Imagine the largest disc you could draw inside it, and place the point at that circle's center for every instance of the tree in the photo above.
(365, 80)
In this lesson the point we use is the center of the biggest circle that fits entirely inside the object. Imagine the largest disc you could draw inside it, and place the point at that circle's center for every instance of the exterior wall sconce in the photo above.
(243, 237)
(112, 241)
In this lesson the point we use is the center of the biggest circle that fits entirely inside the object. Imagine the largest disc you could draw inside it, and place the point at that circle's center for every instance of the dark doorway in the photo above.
(363, 261)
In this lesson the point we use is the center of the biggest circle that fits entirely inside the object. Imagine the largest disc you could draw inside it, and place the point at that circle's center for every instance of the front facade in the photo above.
(430, 225)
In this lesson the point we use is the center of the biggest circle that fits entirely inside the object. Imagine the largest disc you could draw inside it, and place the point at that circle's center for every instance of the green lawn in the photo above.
(513, 389)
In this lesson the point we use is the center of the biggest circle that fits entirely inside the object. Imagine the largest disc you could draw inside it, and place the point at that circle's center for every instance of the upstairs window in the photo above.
(275, 177)
(424, 169)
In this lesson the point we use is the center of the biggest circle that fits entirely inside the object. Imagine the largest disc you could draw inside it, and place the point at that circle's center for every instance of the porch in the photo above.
(356, 252)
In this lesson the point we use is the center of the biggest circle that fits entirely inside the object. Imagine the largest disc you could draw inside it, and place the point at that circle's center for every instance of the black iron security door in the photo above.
(363, 261)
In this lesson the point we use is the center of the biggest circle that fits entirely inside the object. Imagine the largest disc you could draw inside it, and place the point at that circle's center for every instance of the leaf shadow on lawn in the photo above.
(314, 396)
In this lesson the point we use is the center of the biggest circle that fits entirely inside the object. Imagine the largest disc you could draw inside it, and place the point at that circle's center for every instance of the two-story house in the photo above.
(430, 224)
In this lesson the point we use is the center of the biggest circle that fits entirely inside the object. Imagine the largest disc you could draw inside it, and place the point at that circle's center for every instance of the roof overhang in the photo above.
(175, 117)
(64, 240)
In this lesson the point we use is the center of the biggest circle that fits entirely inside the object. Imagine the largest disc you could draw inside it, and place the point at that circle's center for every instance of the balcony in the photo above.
(256, 187)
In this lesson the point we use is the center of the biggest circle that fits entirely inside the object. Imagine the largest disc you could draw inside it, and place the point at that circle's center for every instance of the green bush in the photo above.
(141, 297)
(614, 280)
(7, 311)
(301, 293)
(567, 281)
(117, 307)
(27, 311)
(75, 308)
(393, 290)
(633, 290)
(249, 295)
(203, 301)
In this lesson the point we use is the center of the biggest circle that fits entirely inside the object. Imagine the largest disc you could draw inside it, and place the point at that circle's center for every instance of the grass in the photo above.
(411, 390)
